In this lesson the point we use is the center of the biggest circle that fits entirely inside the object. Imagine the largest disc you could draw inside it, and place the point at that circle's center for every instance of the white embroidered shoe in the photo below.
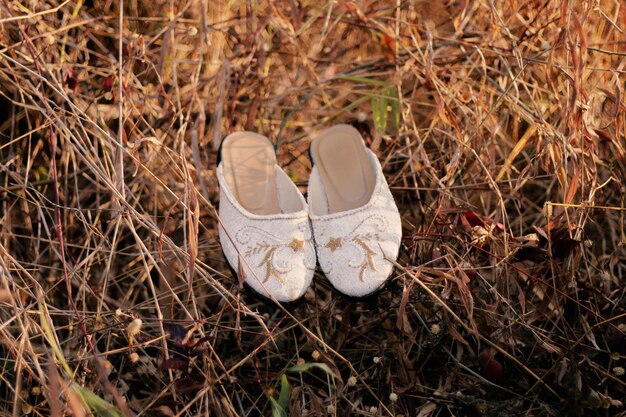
(265, 230)
(355, 220)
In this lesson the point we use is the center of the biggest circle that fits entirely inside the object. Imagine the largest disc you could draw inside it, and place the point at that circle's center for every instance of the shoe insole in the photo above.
(344, 168)
(249, 164)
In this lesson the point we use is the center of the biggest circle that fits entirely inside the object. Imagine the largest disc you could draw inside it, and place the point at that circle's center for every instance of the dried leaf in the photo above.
(543, 236)
(516, 151)
(589, 333)
(427, 409)
(241, 272)
(454, 333)
(5, 296)
(573, 187)
(441, 111)
(403, 323)
(175, 331)
(53, 392)
(192, 228)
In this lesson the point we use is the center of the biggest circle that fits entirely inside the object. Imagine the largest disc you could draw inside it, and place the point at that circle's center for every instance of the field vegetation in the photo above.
(500, 125)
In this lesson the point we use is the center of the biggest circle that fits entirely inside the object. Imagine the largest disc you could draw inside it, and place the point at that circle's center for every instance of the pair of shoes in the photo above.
(272, 236)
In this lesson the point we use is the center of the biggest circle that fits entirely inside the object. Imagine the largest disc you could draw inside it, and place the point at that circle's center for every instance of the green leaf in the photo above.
(285, 392)
(97, 405)
(364, 80)
(50, 337)
(42, 173)
(292, 175)
(277, 410)
(395, 106)
(379, 111)
(310, 365)
(349, 107)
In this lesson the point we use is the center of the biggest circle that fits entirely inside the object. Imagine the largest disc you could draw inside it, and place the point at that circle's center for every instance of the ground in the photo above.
(500, 128)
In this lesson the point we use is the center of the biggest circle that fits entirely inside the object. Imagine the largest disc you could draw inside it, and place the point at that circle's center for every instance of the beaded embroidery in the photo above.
(258, 243)
(362, 237)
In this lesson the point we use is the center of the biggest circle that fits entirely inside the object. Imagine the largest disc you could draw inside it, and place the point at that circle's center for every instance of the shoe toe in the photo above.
(279, 264)
(357, 267)
(287, 280)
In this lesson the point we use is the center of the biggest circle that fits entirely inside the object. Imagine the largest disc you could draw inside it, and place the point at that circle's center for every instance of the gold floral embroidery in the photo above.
(266, 245)
(368, 260)
(334, 243)
(270, 271)
(363, 236)
(296, 244)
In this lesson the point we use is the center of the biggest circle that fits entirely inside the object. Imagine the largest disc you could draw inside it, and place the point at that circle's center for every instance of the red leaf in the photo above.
(389, 46)
(561, 248)
(350, 6)
(604, 135)
(489, 220)
(70, 79)
(473, 219)
(107, 84)
(364, 130)
(490, 367)
(558, 233)
(562, 244)
(470, 275)
(440, 220)
(173, 363)
(189, 385)
(528, 253)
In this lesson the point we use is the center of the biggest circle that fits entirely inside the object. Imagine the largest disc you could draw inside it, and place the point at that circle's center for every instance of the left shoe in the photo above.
(264, 226)
(356, 223)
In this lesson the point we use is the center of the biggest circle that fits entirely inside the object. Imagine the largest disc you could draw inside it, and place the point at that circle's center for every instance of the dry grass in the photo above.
(504, 145)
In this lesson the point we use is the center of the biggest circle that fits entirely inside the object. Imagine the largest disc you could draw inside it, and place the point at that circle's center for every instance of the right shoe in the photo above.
(356, 223)
(264, 227)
